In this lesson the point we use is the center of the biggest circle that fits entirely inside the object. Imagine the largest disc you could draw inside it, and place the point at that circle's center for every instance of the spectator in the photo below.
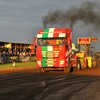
(1, 58)
(1, 54)
(0, 49)
(10, 54)
(6, 49)
(18, 55)
(24, 54)
(23, 49)
(7, 56)
(4, 54)
(14, 54)
(3, 49)
(4, 57)
(9, 50)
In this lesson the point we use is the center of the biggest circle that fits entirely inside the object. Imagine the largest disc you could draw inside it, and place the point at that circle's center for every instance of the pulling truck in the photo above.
(84, 53)
(54, 50)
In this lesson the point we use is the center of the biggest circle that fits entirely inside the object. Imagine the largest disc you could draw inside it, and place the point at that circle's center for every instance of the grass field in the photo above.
(18, 64)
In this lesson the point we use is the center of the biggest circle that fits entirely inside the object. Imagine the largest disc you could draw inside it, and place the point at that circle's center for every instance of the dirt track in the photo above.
(89, 71)
(29, 84)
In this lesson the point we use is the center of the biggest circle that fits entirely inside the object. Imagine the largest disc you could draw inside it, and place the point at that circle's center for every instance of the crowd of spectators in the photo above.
(7, 55)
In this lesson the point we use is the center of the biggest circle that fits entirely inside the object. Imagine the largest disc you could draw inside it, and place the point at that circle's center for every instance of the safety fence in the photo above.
(17, 59)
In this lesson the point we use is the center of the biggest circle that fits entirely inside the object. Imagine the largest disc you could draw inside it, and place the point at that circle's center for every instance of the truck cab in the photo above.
(54, 49)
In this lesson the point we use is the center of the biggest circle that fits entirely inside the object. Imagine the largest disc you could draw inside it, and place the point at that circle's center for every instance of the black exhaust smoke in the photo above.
(88, 12)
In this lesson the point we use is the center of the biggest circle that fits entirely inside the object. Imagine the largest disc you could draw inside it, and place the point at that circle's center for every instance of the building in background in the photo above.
(15, 47)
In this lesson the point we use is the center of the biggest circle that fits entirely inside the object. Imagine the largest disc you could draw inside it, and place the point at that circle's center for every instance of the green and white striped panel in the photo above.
(39, 35)
(45, 50)
(48, 33)
(51, 32)
(50, 48)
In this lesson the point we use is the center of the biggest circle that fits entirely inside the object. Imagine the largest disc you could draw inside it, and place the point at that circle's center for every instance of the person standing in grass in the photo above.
(7, 57)
(4, 57)
(1, 58)
(10, 55)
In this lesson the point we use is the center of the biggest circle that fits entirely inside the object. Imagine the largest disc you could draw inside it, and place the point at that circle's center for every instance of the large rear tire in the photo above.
(78, 65)
(67, 69)
(94, 63)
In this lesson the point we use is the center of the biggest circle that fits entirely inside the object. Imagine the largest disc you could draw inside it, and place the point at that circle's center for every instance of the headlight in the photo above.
(39, 62)
(62, 62)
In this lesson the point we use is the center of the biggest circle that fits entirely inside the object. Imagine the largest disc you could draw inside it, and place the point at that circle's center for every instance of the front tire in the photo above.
(67, 69)
(41, 70)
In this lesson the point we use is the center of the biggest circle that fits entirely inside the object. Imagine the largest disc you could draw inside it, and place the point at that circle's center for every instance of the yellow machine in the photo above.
(84, 52)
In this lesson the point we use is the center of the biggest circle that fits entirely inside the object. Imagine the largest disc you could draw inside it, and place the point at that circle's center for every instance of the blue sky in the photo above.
(20, 20)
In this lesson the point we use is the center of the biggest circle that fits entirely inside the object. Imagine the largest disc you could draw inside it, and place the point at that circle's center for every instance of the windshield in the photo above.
(50, 41)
